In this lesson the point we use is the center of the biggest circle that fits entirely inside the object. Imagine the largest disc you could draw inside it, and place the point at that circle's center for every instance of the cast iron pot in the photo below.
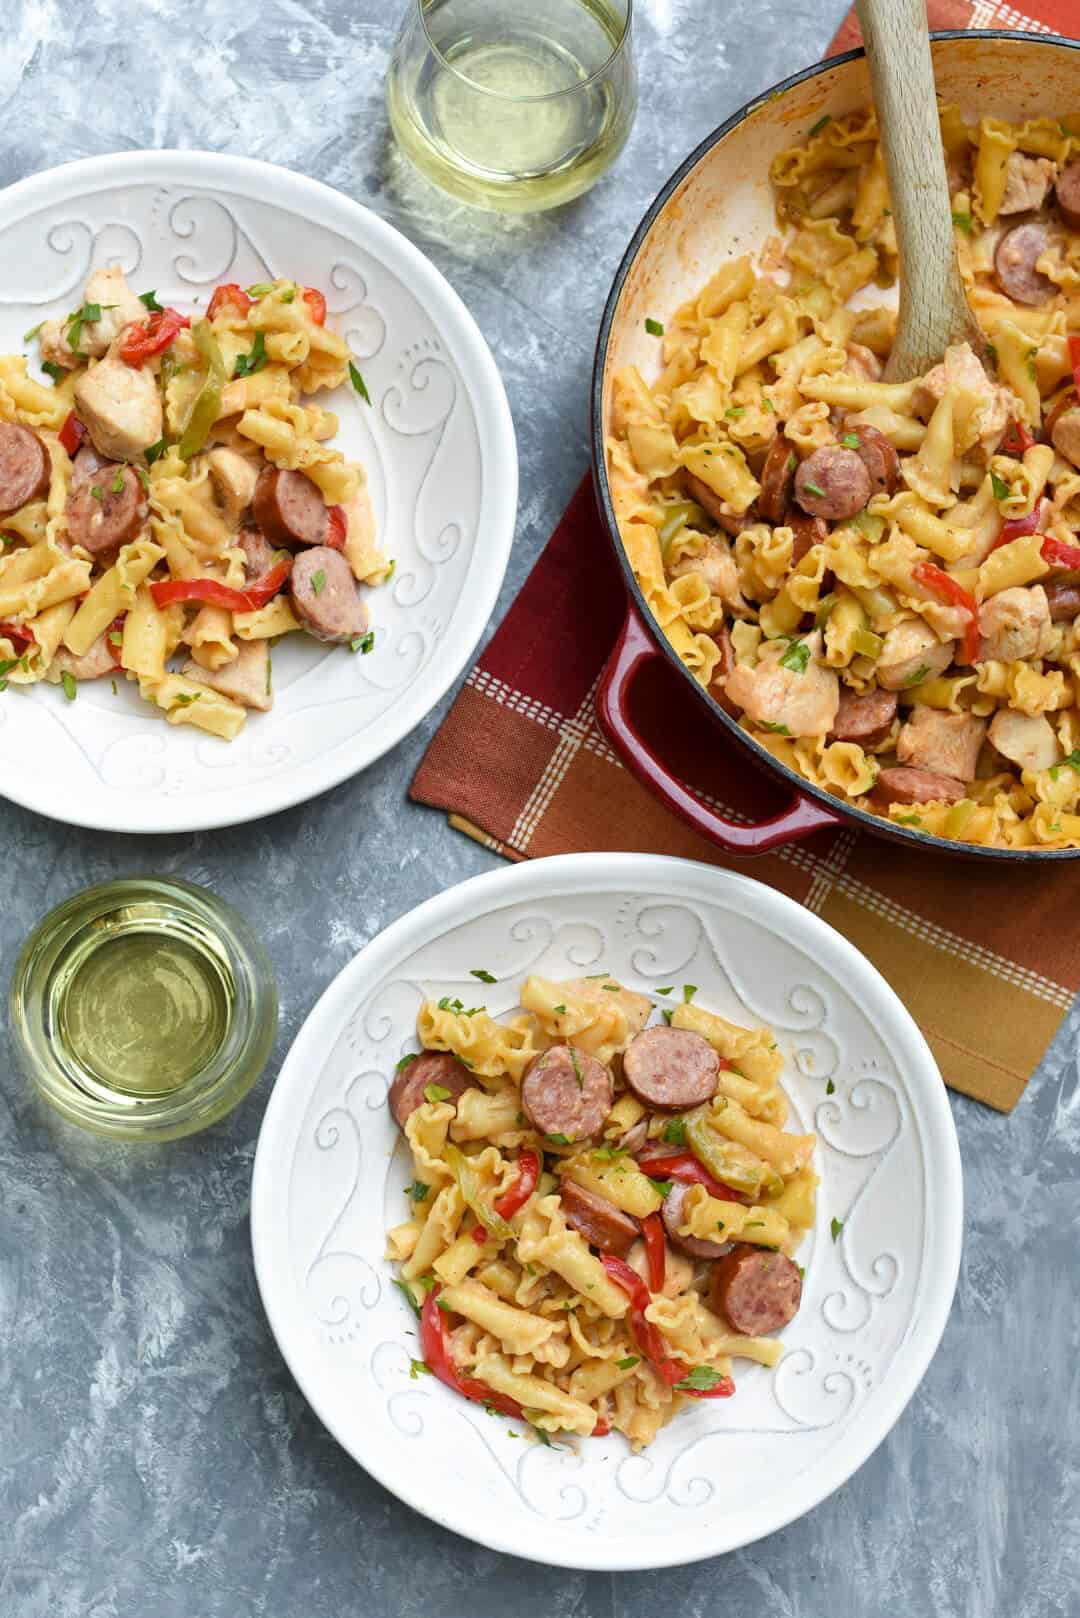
(716, 206)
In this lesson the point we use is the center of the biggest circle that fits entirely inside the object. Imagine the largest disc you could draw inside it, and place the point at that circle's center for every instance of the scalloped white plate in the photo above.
(330, 1174)
(438, 446)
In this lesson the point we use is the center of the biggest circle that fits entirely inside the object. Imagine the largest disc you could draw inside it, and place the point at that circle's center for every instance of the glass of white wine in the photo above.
(513, 104)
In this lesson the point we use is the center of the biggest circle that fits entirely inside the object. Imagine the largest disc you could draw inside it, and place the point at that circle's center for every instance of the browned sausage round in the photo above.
(693, 1246)
(597, 1219)
(717, 686)
(1064, 602)
(714, 506)
(25, 467)
(756, 1291)
(865, 719)
(832, 483)
(878, 457)
(430, 1067)
(566, 1092)
(259, 555)
(325, 596)
(1014, 264)
(1067, 190)
(671, 1067)
(777, 479)
(289, 508)
(808, 531)
(100, 516)
(903, 784)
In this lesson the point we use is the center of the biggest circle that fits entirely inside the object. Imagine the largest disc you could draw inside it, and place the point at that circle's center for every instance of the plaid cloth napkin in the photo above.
(986, 958)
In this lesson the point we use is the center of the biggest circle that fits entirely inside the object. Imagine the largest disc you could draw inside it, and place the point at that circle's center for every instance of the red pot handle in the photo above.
(635, 648)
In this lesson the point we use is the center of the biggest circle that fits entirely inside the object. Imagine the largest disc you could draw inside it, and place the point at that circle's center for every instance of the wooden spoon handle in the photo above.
(933, 307)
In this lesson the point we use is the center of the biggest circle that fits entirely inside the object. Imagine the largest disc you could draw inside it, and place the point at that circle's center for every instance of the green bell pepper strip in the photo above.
(207, 405)
(724, 1160)
(469, 1183)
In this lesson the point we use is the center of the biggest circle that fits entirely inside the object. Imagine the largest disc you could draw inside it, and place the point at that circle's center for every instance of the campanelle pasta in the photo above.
(602, 1210)
(171, 504)
(880, 579)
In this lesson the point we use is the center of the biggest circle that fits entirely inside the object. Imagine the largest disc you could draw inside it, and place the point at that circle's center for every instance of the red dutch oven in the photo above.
(717, 205)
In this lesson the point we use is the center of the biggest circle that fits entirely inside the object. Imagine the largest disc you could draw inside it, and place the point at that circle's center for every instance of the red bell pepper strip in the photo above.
(479, 1235)
(602, 1428)
(1074, 361)
(214, 594)
(337, 529)
(722, 1390)
(146, 338)
(1017, 527)
(653, 1231)
(18, 634)
(645, 1334)
(523, 1187)
(683, 1166)
(229, 292)
(1060, 555)
(1017, 438)
(435, 1342)
(71, 433)
(945, 587)
(316, 305)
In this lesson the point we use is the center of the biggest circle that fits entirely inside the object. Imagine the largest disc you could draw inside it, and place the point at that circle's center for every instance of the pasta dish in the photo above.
(602, 1214)
(880, 580)
(169, 503)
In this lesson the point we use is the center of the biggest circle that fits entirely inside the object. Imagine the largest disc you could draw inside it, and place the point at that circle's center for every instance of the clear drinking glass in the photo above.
(513, 104)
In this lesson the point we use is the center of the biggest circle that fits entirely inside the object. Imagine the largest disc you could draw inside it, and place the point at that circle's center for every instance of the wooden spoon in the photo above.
(934, 310)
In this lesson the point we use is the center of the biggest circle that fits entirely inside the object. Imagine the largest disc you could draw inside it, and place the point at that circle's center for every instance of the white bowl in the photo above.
(438, 445)
(330, 1174)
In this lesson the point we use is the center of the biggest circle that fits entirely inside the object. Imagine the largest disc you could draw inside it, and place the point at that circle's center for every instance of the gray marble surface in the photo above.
(156, 1460)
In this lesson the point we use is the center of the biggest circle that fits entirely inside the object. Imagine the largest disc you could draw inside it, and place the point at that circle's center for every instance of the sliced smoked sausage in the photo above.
(673, 1217)
(598, 1220)
(777, 479)
(832, 483)
(430, 1067)
(671, 1067)
(865, 719)
(1067, 190)
(25, 467)
(714, 506)
(903, 784)
(325, 595)
(1014, 264)
(1064, 602)
(756, 1290)
(289, 508)
(879, 458)
(107, 509)
(808, 531)
(259, 554)
(567, 1092)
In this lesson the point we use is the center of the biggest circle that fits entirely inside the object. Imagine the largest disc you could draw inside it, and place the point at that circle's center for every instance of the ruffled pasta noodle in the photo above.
(526, 1298)
(804, 632)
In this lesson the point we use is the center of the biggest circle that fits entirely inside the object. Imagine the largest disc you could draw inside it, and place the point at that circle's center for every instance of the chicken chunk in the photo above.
(801, 698)
(1025, 739)
(1015, 624)
(862, 361)
(946, 743)
(912, 653)
(962, 368)
(1065, 435)
(234, 479)
(716, 565)
(94, 664)
(246, 679)
(121, 407)
(119, 307)
(1027, 180)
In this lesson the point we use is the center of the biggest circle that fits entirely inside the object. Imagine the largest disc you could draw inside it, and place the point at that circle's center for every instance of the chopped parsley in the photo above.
(155, 452)
(688, 992)
(578, 1074)
(28, 336)
(143, 477)
(609, 1154)
(446, 1004)
(830, 1087)
(610, 988)
(835, 1227)
(908, 820)
(666, 990)
(962, 221)
(675, 1131)
(185, 699)
(261, 289)
(117, 484)
(97, 492)
(435, 1093)
(662, 1186)
(999, 486)
(418, 1368)
(426, 1283)
(418, 1191)
(55, 371)
(919, 676)
(1072, 762)
(361, 643)
(560, 1011)
(67, 680)
(358, 383)
(774, 730)
(667, 1014)
(413, 1056)
(628, 1363)
(149, 301)
(560, 1140)
(115, 688)
(851, 441)
(814, 488)
(700, 1379)
(654, 327)
(406, 1292)
(820, 125)
(796, 658)
(735, 412)
(484, 976)
(88, 315)
(248, 364)
(318, 582)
